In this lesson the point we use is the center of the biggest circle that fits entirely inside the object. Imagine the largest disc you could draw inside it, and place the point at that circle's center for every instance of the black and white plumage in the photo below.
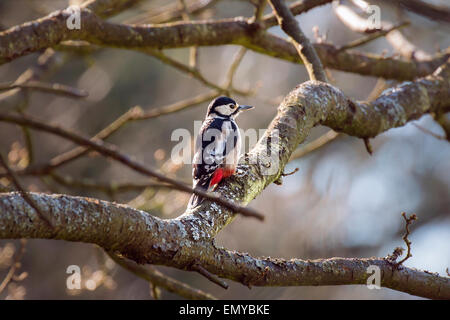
(217, 147)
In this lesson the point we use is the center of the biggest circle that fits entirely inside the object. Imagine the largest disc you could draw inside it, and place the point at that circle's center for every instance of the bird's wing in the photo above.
(216, 139)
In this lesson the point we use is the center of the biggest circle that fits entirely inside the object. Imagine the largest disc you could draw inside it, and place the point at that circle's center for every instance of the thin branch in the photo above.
(431, 133)
(350, 61)
(304, 47)
(28, 145)
(425, 9)
(362, 25)
(444, 121)
(160, 280)
(315, 144)
(23, 193)
(46, 63)
(133, 114)
(202, 33)
(193, 51)
(233, 68)
(260, 5)
(379, 87)
(194, 72)
(208, 275)
(368, 146)
(188, 239)
(147, 239)
(171, 12)
(175, 107)
(55, 88)
(108, 8)
(296, 8)
(408, 220)
(110, 152)
(372, 37)
(14, 266)
(109, 188)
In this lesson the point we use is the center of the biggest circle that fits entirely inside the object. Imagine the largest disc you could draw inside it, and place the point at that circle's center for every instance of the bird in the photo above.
(217, 147)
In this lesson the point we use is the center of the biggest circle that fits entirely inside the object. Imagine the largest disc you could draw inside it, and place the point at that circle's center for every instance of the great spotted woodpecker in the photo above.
(217, 147)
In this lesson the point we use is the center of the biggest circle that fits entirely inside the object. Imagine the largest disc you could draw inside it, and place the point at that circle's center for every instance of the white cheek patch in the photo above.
(225, 110)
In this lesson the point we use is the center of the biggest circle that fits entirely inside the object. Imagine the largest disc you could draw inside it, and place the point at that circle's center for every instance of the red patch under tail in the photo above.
(216, 178)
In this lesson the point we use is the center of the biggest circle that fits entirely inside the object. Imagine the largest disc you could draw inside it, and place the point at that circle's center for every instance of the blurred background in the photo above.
(342, 201)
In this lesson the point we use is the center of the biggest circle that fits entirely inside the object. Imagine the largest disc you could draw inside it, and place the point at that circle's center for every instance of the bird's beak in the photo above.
(244, 107)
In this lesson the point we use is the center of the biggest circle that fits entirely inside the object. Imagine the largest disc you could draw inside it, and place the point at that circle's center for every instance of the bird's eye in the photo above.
(232, 106)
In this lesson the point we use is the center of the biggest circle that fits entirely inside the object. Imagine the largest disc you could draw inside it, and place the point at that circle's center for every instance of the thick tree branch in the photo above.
(176, 243)
(189, 239)
(52, 30)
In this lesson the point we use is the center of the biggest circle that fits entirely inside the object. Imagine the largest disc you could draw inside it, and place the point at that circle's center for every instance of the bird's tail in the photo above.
(204, 185)
(195, 200)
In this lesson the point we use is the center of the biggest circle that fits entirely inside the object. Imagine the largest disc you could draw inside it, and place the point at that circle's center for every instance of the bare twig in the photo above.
(427, 131)
(229, 31)
(14, 266)
(55, 88)
(444, 121)
(28, 145)
(133, 114)
(208, 275)
(109, 188)
(315, 144)
(372, 37)
(368, 146)
(260, 5)
(193, 51)
(426, 9)
(158, 279)
(233, 68)
(207, 33)
(194, 72)
(304, 47)
(175, 107)
(171, 12)
(284, 174)
(150, 242)
(23, 193)
(397, 40)
(155, 292)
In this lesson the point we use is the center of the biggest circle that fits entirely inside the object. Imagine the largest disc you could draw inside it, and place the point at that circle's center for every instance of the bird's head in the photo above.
(225, 107)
